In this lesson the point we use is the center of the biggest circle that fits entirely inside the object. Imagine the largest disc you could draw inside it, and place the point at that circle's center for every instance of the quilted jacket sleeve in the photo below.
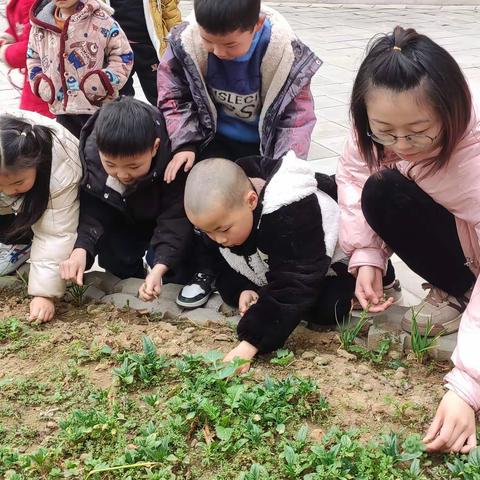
(357, 239)
(170, 14)
(176, 104)
(294, 131)
(54, 234)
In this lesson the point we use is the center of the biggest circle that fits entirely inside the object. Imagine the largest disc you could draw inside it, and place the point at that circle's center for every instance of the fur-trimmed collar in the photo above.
(277, 61)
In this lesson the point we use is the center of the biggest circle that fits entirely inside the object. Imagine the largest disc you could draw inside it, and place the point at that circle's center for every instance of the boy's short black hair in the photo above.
(220, 17)
(125, 128)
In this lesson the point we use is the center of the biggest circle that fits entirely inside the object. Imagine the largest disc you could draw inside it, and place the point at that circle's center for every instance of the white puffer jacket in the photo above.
(56, 230)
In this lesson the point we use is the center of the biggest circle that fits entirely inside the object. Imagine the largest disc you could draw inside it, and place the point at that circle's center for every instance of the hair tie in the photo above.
(397, 48)
(25, 133)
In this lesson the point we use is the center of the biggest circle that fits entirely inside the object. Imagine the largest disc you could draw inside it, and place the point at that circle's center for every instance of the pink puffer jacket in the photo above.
(76, 68)
(457, 188)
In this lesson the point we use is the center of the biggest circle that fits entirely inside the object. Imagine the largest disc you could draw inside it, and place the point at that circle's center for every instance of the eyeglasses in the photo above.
(418, 140)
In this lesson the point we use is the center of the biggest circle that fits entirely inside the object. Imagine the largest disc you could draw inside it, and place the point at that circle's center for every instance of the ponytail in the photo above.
(24, 145)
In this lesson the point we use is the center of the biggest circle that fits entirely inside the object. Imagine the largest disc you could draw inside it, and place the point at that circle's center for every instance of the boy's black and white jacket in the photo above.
(289, 252)
(105, 202)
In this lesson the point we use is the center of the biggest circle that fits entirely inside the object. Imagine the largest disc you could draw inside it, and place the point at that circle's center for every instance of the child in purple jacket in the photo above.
(234, 82)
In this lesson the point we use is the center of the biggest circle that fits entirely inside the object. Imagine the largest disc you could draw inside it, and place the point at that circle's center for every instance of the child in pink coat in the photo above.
(409, 182)
(13, 51)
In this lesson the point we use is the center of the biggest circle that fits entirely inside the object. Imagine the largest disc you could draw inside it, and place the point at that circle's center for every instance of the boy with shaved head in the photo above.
(276, 224)
(234, 81)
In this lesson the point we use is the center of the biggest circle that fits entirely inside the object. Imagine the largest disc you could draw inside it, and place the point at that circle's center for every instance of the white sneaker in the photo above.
(197, 292)
(12, 256)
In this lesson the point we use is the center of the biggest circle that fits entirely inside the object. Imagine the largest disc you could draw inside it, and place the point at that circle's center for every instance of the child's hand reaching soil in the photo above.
(150, 289)
(244, 351)
(73, 268)
(42, 309)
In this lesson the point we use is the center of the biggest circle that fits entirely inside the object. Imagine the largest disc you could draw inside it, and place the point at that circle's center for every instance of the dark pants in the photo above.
(419, 230)
(73, 123)
(121, 251)
(334, 300)
(145, 64)
(206, 254)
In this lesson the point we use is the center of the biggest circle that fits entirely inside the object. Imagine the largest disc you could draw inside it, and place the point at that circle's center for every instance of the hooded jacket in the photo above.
(14, 54)
(365, 247)
(105, 201)
(293, 243)
(54, 234)
(287, 116)
(75, 68)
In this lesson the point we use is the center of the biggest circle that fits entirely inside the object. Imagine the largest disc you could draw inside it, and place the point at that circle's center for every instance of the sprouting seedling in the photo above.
(23, 278)
(348, 331)
(421, 344)
(78, 292)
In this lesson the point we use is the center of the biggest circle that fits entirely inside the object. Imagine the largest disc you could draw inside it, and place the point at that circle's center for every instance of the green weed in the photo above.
(78, 293)
(348, 330)
(422, 344)
(11, 329)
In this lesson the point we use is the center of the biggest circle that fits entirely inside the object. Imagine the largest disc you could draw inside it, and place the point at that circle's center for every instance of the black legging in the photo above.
(419, 230)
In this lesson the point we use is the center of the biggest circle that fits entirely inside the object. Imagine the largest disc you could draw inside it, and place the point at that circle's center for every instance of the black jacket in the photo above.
(287, 255)
(148, 201)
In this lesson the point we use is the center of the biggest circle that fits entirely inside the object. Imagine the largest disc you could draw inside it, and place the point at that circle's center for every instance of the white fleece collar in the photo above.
(295, 180)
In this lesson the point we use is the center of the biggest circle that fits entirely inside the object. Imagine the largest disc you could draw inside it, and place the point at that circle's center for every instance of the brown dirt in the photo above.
(371, 398)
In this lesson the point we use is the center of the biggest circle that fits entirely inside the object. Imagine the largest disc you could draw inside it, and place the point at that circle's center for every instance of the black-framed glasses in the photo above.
(419, 140)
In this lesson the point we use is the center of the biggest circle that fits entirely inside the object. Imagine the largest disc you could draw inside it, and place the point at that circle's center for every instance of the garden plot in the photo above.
(109, 393)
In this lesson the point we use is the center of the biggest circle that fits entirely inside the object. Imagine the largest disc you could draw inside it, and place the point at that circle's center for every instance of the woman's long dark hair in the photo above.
(23, 145)
(404, 60)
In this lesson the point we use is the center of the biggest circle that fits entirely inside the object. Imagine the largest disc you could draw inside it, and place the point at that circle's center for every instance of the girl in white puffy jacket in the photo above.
(40, 172)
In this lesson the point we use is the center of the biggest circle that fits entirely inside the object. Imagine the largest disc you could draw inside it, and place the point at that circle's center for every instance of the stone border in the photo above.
(105, 287)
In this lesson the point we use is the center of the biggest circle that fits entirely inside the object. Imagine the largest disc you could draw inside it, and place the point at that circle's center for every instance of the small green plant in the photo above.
(11, 329)
(348, 330)
(144, 367)
(78, 293)
(466, 467)
(256, 472)
(283, 357)
(23, 279)
(421, 344)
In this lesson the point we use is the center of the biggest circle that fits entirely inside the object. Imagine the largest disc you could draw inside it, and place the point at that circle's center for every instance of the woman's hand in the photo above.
(453, 427)
(369, 289)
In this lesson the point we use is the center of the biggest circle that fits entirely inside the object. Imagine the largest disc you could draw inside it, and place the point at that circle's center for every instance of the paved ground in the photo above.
(339, 34)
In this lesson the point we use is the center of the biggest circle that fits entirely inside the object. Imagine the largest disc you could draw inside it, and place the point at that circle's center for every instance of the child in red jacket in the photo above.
(13, 51)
